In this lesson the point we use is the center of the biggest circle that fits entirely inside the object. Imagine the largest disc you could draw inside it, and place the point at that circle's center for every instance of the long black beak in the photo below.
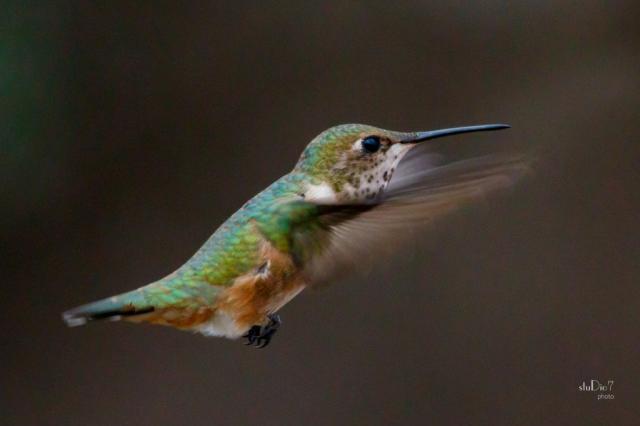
(433, 134)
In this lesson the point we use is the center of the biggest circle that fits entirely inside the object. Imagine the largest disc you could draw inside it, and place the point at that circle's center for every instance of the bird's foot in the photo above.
(260, 336)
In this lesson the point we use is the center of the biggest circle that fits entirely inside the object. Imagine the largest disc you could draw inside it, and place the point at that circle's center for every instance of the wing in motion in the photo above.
(421, 192)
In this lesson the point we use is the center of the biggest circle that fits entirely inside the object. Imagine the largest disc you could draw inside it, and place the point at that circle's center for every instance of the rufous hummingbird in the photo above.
(348, 195)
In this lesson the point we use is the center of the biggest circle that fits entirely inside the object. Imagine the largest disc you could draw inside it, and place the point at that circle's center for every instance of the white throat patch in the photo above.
(373, 182)
(321, 194)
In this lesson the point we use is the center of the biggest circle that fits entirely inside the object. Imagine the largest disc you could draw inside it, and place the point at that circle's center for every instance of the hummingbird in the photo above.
(349, 197)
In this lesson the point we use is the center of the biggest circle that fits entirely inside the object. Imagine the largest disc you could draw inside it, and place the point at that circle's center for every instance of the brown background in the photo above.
(133, 131)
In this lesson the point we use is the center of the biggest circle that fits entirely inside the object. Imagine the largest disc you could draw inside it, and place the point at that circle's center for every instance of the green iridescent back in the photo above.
(234, 249)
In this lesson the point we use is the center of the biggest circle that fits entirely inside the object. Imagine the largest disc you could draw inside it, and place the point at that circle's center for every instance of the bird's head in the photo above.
(354, 163)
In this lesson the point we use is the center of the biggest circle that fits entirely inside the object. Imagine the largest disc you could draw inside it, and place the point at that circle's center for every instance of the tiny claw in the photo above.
(252, 335)
(265, 339)
(260, 336)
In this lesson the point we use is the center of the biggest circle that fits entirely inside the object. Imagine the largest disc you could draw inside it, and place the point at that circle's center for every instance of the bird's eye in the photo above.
(371, 144)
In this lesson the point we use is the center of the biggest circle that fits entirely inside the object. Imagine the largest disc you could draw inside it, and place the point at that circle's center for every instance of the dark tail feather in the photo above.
(114, 308)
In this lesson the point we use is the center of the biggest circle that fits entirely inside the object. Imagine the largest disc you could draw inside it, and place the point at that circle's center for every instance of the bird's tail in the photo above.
(128, 304)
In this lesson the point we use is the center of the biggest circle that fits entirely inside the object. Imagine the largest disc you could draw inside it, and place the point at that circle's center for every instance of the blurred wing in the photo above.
(414, 199)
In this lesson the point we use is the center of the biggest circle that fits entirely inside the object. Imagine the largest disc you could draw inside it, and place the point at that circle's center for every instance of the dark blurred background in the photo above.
(131, 130)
